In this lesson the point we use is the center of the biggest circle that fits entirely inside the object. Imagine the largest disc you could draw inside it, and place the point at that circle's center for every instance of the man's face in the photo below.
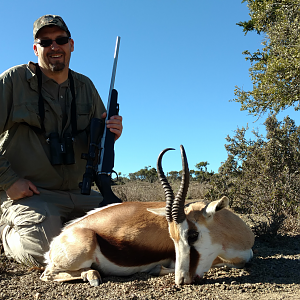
(54, 58)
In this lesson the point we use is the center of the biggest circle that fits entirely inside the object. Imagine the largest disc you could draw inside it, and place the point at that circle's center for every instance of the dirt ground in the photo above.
(272, 274)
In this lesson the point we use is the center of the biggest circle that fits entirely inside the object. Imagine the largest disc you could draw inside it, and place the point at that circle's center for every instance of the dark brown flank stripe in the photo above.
(137, 236)
(129, 254)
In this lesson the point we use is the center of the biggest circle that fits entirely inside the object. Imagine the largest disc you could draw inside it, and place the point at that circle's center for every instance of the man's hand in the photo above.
(21, 188)
(114, 124)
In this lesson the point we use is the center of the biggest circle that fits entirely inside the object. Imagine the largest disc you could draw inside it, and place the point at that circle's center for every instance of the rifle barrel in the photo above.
(108, 137)
(114, 70)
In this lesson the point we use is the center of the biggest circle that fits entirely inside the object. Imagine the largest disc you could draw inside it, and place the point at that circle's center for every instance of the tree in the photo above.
(275, 69)
(202, 166)
(173, 175)
(261, 175)
(147, 174)
(201, 174)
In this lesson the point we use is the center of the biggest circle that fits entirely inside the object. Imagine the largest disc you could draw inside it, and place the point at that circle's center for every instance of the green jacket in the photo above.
(24, 153)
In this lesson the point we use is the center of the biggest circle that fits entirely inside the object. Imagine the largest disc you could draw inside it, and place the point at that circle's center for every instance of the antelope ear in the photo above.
(211, 208)
(158, 211)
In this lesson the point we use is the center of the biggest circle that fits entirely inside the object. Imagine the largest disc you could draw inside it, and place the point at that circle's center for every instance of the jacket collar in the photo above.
(31, 76)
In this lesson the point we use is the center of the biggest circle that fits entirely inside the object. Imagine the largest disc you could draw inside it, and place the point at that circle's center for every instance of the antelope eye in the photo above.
(192, 236)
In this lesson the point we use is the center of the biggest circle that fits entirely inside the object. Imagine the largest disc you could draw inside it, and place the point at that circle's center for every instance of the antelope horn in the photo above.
(178, 213)
(169, 195)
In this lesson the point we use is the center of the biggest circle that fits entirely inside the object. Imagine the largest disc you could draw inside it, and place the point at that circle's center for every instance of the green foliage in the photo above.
(275, 68)
(150, 175)
(147, 174)
(174, 175)
(261, 176)
(201, 174)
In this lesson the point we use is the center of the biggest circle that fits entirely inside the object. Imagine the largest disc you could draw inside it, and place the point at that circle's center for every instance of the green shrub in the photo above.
(261, 176)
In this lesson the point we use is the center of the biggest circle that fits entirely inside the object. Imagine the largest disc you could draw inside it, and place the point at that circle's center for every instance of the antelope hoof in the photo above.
(92, 276)
(95, 282)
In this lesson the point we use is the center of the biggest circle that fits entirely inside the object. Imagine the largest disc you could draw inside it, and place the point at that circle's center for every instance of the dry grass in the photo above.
(145, 191)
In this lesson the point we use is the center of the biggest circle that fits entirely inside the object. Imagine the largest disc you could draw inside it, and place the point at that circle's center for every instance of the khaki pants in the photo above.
(35, 221)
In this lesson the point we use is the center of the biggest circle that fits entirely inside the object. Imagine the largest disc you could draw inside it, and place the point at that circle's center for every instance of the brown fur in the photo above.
(124, 242)
(174, 231)
(221, 226)
(129, 235)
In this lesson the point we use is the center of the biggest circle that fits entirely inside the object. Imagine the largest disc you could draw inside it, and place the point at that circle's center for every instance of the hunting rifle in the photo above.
(100, 156)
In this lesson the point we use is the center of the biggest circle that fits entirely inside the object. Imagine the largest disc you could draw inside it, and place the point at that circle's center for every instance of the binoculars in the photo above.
(61, 149)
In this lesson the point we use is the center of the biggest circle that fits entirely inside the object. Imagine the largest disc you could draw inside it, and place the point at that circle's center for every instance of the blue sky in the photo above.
(179, 63)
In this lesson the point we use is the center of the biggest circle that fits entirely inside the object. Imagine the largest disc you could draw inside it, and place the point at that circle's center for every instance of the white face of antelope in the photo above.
(194, 249)
(186, 255)
(180, 231)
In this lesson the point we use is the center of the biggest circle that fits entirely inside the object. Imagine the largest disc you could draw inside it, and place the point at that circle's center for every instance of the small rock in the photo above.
(37, 296)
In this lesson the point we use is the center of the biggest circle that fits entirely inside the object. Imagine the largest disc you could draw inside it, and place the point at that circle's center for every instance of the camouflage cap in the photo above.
(49, 20)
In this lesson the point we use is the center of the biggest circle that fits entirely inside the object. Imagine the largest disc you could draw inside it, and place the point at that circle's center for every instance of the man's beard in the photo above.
(57, 67)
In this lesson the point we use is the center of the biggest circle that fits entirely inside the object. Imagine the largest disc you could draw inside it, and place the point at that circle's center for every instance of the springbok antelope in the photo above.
(131, 237)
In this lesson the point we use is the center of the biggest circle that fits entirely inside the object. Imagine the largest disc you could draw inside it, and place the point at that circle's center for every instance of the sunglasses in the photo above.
(59, 41)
